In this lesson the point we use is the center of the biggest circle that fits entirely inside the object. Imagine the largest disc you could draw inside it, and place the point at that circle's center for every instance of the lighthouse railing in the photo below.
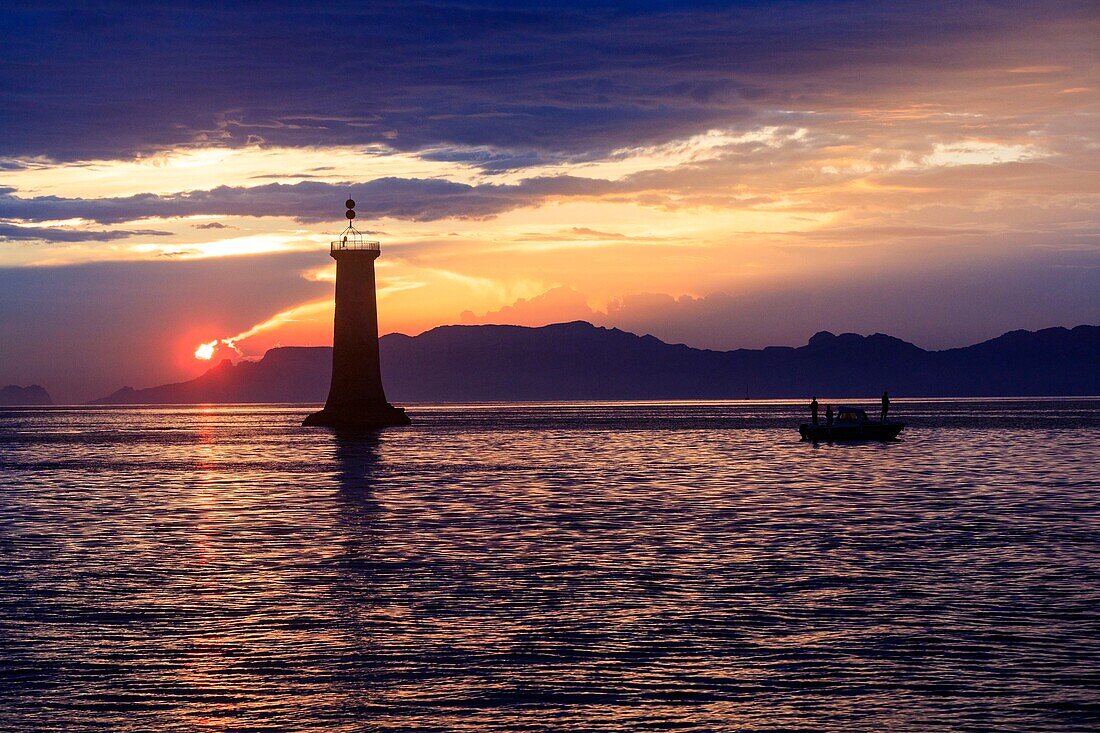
(340, 245)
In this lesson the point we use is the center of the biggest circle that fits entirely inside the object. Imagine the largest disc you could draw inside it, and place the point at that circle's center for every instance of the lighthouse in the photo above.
(356, 398)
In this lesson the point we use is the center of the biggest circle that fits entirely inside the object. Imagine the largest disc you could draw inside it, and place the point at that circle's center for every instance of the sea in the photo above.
(684, 566)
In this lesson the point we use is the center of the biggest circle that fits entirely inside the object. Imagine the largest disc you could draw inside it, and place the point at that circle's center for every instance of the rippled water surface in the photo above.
(589, 567)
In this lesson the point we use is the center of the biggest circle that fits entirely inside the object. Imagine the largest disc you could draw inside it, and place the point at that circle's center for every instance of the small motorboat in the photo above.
(851, 423)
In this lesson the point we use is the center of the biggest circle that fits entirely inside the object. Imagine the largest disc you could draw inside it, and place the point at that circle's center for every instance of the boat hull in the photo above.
(862, 431)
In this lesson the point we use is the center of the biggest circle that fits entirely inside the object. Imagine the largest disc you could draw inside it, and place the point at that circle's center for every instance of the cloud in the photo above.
(15, 233)
(560, 78)
(213, 225)
(311, 201)
(491, 159)
(554, 306)
(584, 234)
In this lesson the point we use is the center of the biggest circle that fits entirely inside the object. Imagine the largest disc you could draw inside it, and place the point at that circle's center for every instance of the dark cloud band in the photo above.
(81, 81)
(309, 201)
(14, 233)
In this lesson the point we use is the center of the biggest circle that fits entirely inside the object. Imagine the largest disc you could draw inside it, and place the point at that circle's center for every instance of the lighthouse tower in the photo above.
(356, 398)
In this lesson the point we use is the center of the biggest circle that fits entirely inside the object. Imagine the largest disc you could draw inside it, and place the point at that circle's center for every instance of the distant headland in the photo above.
(579, 361)
(15, 396)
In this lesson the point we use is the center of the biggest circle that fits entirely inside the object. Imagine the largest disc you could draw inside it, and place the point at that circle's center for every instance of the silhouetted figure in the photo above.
(829, 415)
(813, 410)
(885, 405)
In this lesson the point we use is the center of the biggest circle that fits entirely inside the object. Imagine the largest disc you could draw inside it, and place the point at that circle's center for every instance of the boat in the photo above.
(851, 423)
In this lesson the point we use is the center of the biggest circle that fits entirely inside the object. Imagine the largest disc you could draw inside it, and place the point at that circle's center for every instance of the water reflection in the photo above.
(358, 458)
(616, 568)
(358, 467)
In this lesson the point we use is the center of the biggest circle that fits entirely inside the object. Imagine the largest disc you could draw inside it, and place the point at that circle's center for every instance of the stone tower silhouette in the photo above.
(356, 398)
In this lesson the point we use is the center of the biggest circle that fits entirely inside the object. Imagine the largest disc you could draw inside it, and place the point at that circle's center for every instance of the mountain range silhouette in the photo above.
(33, 395)
(579, 361)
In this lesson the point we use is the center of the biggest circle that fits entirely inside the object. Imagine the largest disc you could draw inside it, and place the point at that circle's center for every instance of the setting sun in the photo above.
(205, 351)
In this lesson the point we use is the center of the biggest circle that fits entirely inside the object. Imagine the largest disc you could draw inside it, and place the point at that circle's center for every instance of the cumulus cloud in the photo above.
(554, 306)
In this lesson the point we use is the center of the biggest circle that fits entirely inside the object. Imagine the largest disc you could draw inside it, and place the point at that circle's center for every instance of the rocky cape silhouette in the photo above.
(579, 361)
(15, 396)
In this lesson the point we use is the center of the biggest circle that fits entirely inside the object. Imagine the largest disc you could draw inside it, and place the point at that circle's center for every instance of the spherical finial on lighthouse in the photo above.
(350, 205)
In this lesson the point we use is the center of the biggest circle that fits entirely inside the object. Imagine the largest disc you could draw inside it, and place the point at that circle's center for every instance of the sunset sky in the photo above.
(721, 175)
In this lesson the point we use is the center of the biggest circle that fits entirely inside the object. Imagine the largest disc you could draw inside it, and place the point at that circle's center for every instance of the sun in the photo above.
(206, 351)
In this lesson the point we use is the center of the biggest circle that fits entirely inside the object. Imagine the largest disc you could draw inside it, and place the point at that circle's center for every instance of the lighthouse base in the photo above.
(358, 418)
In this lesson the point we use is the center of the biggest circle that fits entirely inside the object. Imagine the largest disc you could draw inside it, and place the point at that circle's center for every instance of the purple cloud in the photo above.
(81, 82)
(12, 233)
(310, 201)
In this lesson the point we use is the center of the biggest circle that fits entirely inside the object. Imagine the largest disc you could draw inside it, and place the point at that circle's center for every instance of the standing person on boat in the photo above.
(813, 410)
(885, 405)
(829, 415)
